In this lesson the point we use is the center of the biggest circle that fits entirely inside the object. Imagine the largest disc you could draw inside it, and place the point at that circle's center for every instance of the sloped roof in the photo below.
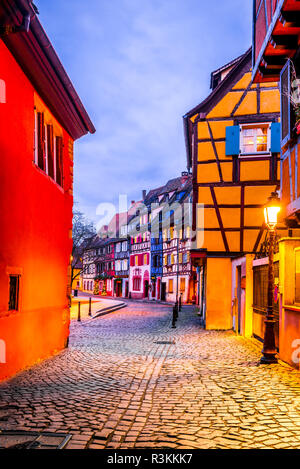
(242, 65)
(36, 56)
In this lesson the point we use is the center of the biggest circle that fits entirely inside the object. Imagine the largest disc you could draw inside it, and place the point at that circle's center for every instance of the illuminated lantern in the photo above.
(271, 211)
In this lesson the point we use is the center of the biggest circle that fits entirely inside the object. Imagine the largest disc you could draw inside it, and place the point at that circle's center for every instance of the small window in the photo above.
(182, 284)
(255, 139)
(14, 286)
(136, 284)
(50, 151)
(170, 285)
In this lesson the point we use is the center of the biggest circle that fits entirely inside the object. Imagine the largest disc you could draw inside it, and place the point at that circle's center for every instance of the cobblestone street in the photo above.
(130, 381)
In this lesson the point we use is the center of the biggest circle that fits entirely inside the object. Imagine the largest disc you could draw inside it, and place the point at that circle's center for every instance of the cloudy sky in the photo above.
(139, 66)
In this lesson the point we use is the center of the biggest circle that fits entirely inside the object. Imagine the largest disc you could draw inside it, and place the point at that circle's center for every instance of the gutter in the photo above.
(49, 51)
(20, 12)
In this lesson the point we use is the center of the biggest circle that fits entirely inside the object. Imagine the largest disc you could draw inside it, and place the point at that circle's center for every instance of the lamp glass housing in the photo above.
(271, 211)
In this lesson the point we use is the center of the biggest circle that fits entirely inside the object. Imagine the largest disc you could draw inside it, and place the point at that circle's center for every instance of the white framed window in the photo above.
(255, 139)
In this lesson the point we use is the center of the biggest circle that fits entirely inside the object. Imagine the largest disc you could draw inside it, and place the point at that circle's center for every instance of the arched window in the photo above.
(2, 92)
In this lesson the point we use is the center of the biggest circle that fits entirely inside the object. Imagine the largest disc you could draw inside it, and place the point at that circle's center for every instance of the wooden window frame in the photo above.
(47, 144)
(256, 125)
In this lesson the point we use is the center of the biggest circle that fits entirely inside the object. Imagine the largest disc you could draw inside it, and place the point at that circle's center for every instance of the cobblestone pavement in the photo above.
(120, 386)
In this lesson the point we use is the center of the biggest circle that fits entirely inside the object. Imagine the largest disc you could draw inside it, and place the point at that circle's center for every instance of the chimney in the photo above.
(184, 177)
(144, 193)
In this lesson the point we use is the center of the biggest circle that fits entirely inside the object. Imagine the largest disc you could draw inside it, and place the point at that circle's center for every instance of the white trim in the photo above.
(258, 262)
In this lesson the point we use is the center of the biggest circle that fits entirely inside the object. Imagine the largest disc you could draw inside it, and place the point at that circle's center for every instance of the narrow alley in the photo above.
(128, 380)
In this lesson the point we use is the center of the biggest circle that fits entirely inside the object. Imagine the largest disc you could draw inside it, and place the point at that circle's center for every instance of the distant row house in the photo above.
(149, 256)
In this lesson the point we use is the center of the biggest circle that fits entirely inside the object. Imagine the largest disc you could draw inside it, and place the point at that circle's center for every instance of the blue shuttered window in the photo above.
(233, 140)
(275, 138)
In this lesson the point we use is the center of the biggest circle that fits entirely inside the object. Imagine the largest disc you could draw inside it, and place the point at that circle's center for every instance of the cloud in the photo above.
(138, 67)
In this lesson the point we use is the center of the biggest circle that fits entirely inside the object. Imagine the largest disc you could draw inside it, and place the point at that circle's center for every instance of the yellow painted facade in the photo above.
(77, 282)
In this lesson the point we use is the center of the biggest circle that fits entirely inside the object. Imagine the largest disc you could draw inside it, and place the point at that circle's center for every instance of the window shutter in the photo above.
(233, 140)
(41, 141)
(275, 138)
(131, 261)
(285, 93)
(50, 151)
(59, 161)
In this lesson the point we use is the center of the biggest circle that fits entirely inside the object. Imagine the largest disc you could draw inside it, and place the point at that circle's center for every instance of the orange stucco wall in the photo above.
(36, 222)
(218, 294)
(233, 190)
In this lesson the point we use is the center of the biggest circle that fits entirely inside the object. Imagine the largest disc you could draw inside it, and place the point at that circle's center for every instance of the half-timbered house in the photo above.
(233, 150)
(121, 280)
(139, 273)
(276, 49)
(177, 268)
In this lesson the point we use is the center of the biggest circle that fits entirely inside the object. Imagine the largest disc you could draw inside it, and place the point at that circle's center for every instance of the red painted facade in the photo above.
(36, 224)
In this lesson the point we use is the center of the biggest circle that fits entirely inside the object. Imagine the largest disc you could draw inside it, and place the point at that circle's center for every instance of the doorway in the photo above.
(239, 298)
(146, 289)
(163, 291)
(119, 288)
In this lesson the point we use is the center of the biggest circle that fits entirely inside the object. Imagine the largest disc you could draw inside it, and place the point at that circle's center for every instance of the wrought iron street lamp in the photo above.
(269, 351)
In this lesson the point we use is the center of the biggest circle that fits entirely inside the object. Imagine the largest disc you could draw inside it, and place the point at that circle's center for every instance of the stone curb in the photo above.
(111, 309)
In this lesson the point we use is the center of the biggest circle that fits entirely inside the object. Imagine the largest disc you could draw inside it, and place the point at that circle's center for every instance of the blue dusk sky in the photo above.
(139, 66)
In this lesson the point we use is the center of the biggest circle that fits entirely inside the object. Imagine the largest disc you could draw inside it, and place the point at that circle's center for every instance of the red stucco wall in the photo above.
(35, 241)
